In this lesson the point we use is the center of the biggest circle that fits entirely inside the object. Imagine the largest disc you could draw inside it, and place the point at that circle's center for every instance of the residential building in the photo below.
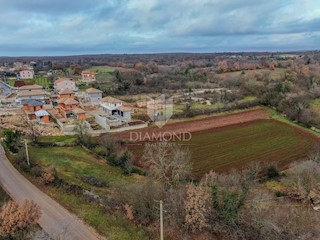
(114, 107)
(33, 109)
(69, 108)
(66, 93)
(26, 74)
(65, 83)
(29, 88)
(88, 76)
(93, 95)
(27, 95)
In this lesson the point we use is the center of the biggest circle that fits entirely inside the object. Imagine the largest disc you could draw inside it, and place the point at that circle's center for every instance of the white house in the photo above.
(93, 95)
(65, 83)
(26, 74)
(29, 88)
(36, 95)
(114, 107)
(87, 76)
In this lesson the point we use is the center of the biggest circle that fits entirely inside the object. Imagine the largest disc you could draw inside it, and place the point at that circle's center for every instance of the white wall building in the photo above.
(26, 74)
(65, 83)
(114, 107)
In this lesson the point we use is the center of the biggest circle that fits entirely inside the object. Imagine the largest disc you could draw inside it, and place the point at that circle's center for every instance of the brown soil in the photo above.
(201, 124)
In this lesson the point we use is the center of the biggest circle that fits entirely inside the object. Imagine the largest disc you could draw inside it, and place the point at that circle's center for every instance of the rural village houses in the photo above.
(88, 77)
(28, 92)
(65, 83)
(114, 107)
(26, 74)
(34, 109)
(93, 95)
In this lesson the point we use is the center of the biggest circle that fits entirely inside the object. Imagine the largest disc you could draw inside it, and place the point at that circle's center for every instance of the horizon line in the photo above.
(160, 53)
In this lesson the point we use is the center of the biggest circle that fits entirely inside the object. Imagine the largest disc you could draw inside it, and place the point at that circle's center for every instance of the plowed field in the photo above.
(233, 141)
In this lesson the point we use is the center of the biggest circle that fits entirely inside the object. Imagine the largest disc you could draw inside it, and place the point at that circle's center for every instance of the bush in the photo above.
(272, 172)
(94, 181)
(36, 171)
(139, 171)
(72, 188)
(50, 176)
(16, 217)
(12, 139)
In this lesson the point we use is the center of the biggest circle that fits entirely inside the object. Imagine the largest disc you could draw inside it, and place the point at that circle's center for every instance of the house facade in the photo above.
(34, 95)
(26, 74)
(33, 109)
(66, 93)
(93, 95)
(65, 83)
(29, 88)
(114, 107)
(69, 108)
(87, 76)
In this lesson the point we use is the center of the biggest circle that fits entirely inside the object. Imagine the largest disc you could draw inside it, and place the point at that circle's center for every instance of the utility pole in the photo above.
(27, 152)
(161, 221)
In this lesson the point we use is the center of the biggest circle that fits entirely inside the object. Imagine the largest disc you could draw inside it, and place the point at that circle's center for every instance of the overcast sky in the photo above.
(68, 27)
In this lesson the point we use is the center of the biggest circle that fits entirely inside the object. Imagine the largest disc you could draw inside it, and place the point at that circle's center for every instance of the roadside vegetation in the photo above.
(17, 221)
(96, 185)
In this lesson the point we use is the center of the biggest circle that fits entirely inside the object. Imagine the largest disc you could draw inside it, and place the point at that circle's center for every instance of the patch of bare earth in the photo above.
(201, 124)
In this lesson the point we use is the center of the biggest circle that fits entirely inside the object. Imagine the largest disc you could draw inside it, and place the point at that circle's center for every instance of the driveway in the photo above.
(55, 220)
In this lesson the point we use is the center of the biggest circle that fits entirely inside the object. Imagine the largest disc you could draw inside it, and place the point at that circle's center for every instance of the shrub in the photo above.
(272, 172)
(36, 171)
(16, 217)
(94, 181)
(50, 176)
(12, 139)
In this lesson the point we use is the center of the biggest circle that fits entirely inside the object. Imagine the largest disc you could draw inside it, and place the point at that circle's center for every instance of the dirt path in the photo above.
(55, 220)
(202, 124)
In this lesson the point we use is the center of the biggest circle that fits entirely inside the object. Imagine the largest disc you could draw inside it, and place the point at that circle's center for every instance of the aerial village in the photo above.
(61, 110)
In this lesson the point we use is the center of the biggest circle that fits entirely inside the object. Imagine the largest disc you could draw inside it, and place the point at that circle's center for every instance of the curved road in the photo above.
(55, 219)
(5, 89)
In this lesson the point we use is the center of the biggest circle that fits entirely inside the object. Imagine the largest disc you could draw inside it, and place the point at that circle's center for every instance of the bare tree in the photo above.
(168, 162)
(15, 217)
(197, 205)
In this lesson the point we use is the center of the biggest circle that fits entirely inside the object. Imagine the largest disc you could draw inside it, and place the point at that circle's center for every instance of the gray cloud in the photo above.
(45, 27)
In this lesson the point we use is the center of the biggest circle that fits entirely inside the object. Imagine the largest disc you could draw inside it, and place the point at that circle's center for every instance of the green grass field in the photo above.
(73, 162)
(104, 76)
(53, 139)
(315, 105)
(103, 69)
(43, 81)
(274, 74)
(258, 141)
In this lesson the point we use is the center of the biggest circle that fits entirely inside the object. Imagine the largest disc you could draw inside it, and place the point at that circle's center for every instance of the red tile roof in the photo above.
(111, 100)
(93, 90)
(62, 79)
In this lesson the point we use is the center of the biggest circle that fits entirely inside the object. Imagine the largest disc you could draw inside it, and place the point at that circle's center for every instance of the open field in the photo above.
(104, 76)
(231, 141)
(43, 81)
(235, 146)
(203, 123)
(274, 74)
(53, 139)
(101, 69)
(315, 106)
(257, 141)
(71, 164)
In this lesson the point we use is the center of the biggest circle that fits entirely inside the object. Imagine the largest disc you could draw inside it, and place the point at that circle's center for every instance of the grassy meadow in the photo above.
(71, 164)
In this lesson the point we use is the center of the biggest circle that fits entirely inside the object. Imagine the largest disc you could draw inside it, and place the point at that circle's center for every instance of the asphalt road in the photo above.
(55, 220)
(5, 89)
